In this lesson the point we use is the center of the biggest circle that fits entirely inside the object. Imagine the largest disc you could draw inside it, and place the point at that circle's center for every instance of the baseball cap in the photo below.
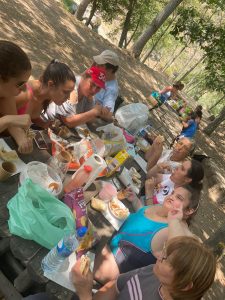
(107, 56)
(97, 75)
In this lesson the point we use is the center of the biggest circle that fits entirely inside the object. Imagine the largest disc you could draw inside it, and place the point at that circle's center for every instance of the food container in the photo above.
(43, 175)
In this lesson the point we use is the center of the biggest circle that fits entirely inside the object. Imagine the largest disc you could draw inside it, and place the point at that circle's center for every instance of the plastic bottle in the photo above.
(54, 259)
(81, 177)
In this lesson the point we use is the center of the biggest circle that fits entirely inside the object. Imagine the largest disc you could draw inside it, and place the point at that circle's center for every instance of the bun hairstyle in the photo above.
(13, 60)
(57, 72)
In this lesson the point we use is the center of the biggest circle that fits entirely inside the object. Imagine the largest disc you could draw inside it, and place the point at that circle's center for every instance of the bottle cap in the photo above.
(88, 168)
(81, 231)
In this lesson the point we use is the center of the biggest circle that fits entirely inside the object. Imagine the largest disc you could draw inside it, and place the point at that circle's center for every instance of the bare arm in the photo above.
(166, 89)
(185, 124)
(75, 120)
(25, 145)
(154, 153)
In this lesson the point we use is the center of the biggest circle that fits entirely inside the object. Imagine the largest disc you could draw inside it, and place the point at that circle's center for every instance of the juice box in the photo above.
(116, 162)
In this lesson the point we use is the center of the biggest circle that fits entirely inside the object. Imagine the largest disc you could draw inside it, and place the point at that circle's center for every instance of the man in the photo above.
(107, 97)
(174, 157)
(80, 108)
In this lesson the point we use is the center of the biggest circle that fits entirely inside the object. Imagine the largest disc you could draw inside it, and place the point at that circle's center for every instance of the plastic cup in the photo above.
(7, 168)
(107, 192)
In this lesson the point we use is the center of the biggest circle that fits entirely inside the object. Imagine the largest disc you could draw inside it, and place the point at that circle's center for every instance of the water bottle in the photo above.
(56, 256)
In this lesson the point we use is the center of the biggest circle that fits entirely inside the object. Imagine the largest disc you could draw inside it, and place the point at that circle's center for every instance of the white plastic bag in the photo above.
(132, 117)
(113, 138)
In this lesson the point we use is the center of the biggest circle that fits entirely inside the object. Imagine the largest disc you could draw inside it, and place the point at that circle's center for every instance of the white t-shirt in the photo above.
(165, 158)
(163, 189)
(107, 97)
(67, 108)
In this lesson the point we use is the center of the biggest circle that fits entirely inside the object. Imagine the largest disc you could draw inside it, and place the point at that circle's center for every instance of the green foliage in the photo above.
(67, 4)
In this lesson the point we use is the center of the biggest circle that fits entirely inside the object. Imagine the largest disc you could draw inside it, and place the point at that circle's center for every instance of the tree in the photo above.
(153, 27)
(81, 9)
(217, 102)
(214, 124)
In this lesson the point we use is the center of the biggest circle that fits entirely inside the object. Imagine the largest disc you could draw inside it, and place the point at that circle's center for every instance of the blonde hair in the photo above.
(194, 268)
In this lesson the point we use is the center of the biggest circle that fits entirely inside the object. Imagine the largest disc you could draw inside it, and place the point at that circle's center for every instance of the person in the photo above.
(190, 127)
(159, 185)
(107, 97)
(184, 270)
(198, 111)
(15, 69)
(55, 85)
(169, 92)
(140, 239)
(80, 108)
(174, 157)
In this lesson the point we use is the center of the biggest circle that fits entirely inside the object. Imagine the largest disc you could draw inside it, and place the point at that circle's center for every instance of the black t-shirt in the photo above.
(140, 284)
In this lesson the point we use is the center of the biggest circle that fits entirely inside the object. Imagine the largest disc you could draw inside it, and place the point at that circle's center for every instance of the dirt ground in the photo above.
(46, 31)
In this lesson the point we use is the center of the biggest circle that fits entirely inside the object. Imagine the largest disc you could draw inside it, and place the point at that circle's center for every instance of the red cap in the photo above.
(97, 75)
(88, 168)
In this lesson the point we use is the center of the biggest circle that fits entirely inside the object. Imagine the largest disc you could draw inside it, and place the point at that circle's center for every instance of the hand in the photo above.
(164, 168)
(130, 195)
(158, 140)
(176, 213)
(97, 109)
(150, 183)
(25, 145)
(22, 121)
(83, 284)
(105, 111)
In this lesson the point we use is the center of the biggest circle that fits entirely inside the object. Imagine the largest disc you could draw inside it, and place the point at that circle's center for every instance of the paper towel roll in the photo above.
(98, 164)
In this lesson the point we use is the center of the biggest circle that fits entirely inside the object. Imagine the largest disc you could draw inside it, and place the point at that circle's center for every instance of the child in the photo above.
(190, 127)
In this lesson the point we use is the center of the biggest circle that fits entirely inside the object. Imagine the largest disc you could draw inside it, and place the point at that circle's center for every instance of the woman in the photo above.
(55, 85)
(15, 69)
(160, 185)
(140, 239)
(80, 108)
(185, 270)
(169, 92)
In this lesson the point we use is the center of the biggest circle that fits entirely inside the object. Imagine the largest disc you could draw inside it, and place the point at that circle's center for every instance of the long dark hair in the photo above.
(196, 173)
(57, 72)
(13, 60)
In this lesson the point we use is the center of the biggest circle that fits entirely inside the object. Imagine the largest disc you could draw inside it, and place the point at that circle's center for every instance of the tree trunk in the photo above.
(131, 37)
(192, 68)
(174, 58)
(92, 12)
(146, 56)
(214, 124)
(81, 9)
(217, 102)
(126, 23)
(194, 86)
(153, 27)
(180, 72)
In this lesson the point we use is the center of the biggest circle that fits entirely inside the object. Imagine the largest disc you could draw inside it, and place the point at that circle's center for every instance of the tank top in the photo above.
(138, 230)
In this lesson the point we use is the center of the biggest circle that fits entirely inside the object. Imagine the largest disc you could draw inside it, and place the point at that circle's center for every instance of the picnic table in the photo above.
(22, 258)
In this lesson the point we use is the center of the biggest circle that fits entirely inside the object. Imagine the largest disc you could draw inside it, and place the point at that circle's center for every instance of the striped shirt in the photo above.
(140, 284)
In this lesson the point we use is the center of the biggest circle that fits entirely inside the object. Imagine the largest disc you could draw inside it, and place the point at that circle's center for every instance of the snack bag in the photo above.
(75, 201)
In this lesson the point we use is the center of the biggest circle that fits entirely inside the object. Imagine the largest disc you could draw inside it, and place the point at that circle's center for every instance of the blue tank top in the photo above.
(138, 230)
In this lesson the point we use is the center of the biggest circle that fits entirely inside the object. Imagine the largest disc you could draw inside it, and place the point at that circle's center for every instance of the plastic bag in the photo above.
(113, 138)
(37, 215)
(132, 116)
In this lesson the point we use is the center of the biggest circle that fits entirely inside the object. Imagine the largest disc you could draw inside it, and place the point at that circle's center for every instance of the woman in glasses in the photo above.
(184, 271)
(140, 239)
(15, 69)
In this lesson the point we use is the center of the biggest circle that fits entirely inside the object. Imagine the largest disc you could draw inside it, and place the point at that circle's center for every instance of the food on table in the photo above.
(118, 209)
(98, 204)
(65, 133)
(121, 195)
(53, 186)
(30, 134)
(8, 155)
(84, 265)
